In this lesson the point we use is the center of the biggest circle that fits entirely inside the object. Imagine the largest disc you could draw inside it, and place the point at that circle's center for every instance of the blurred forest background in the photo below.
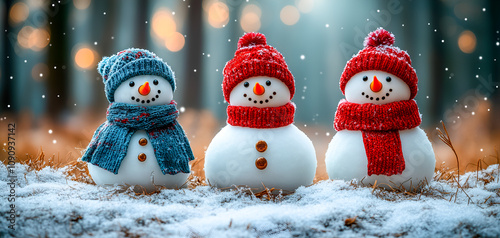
(50, 88)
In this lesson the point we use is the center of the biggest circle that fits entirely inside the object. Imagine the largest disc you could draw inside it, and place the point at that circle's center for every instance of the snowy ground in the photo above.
(49, 204)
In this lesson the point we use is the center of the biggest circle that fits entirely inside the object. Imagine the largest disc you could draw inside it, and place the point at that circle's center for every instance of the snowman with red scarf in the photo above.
(378, 139)
(260, 146)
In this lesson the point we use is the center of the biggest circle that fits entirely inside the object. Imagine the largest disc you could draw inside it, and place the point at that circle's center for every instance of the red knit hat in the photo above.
(379, 54)
(254, 57)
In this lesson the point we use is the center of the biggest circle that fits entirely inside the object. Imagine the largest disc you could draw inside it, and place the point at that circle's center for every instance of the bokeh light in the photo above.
(175, 41)
(467, 42)
(289, 15)
(305, 6)
(24, 35)
(250, 18)
(38, 39)
(31, 38)
(218, 14)
(85, 58)
(163, 24)
(19, 12)
(40, 72)
(81, 4)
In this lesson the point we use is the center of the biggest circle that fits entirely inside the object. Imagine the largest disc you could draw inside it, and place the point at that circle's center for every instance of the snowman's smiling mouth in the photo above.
(146, 100)
(377, 98)
(267, 100)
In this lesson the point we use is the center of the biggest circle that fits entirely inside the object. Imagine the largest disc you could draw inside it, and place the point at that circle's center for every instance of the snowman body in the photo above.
(144, 174)
(281, 158)
(232, 155)
(139, 166)
(346, 157)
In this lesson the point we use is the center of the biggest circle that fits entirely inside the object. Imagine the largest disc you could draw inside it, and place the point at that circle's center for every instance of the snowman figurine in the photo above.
(141, 143)
(378, 139)
(260, 146)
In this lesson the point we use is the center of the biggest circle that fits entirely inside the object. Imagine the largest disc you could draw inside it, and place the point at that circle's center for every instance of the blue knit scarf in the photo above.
(109, 144)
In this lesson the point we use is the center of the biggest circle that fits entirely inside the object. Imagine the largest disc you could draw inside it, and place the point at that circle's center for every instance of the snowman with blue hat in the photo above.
(141, 143)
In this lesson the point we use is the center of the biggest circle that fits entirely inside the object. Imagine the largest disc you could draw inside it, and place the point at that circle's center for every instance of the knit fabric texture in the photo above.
(379, 54)
(254, 57)
(109, 145)
(380, 125)
(129, 63)
(254, 117)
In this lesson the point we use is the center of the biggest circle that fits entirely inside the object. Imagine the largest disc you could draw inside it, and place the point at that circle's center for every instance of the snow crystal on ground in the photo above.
(49, 204)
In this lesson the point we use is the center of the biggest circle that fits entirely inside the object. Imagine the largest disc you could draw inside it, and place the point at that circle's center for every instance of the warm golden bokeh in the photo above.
(305, 6)
(250, 22)
(218, 14)
(82, 4)
(467, 42)
(85, 58)
(19, 12)
(175, 41)
(289, 15)
(163, 24)
(38, 39)
(23, 36)
(31, 38)
(250, 18)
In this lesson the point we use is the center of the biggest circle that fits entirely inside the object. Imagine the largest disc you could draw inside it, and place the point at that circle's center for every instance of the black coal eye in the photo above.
(268, 83)
(246, 84)
(131, 84)
(155, 82)
(365, 78)
(388, 79)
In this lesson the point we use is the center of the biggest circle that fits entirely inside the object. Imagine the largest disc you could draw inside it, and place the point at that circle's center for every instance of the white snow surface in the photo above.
(49, 204)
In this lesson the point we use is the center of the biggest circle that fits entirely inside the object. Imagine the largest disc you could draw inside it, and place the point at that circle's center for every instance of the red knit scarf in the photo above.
(254, 117)
(380, 125)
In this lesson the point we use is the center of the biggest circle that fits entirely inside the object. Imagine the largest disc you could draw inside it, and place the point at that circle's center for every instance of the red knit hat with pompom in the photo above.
(379, 54)
(254, 57)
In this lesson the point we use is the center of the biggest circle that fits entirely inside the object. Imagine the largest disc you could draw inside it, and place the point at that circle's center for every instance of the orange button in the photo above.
(143, 141)
(141, 157)
(261, 163)
(261, 146)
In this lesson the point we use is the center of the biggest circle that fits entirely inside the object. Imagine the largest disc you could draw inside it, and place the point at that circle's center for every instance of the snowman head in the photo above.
(377, 87)
(138, 74)
(258, 75)
(380, 73)
(146, 90)
(260, 91)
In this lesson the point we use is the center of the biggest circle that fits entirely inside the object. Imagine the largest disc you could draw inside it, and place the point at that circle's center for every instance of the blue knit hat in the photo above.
(129, 63)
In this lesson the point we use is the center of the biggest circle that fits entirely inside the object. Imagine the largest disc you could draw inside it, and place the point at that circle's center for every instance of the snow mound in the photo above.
(49, 204)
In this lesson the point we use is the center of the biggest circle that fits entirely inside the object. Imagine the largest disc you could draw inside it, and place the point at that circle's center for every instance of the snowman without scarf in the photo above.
(260, 146)
(141, 143)
(378, 139)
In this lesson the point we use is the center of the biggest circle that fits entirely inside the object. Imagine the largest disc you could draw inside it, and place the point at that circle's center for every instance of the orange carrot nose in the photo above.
(376, 85)
(258, 89)
(144, 89)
